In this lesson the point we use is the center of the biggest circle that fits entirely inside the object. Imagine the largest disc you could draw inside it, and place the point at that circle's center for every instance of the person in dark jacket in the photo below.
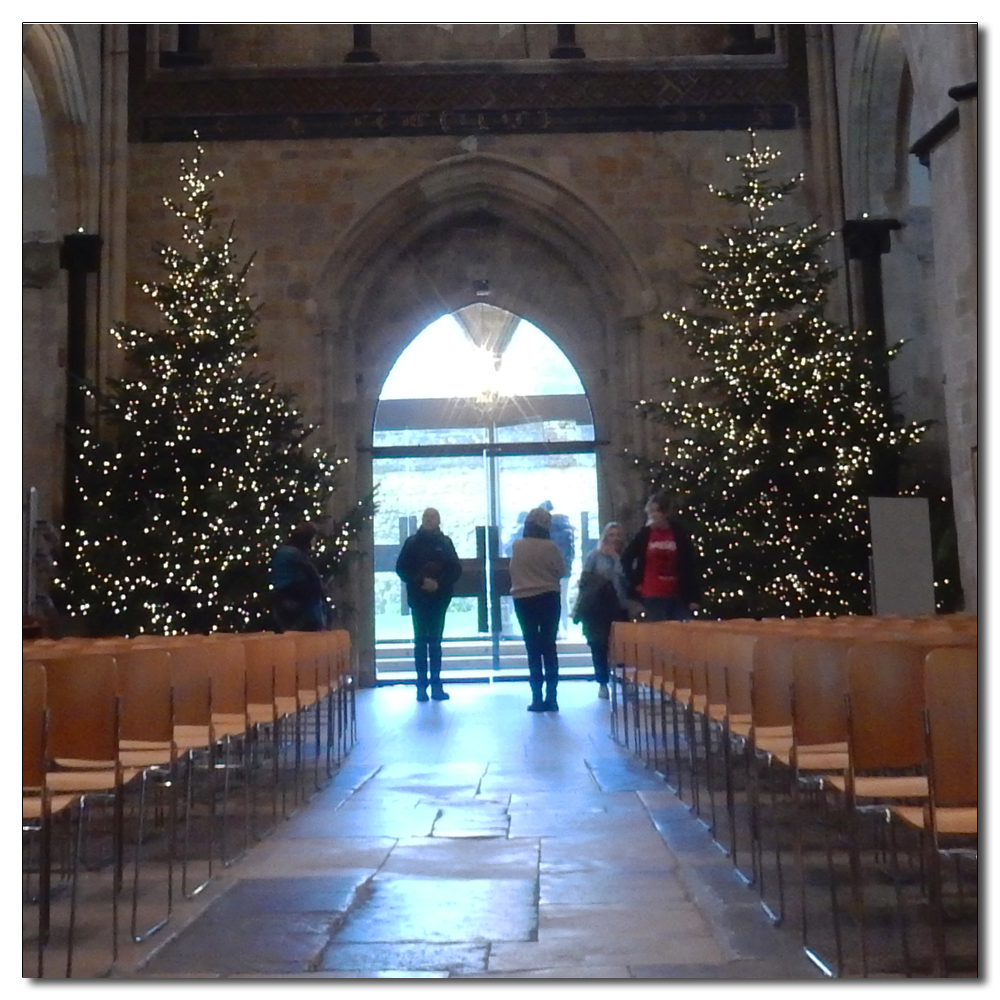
(298, 598)
(430, 567)
(661, 565)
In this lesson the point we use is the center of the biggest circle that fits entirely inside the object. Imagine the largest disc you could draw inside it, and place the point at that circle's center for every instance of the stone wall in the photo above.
(359, 244)
(256, 45)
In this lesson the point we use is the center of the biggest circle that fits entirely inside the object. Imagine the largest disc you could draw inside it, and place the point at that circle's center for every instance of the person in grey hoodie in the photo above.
(536, 567)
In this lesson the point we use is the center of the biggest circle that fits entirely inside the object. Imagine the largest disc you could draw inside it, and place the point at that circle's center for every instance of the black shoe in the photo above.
(439, 694)
(422, 694)
(550, 705)
(537, 706)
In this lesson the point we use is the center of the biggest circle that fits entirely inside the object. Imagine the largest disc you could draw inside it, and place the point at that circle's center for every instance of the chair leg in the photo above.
(612, 683)
(136, 934)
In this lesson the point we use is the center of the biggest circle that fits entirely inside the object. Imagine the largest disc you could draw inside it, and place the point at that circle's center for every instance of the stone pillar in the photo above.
(362, 52)
(951, 149)
(566, 47)
(824, 184)
(112, 219)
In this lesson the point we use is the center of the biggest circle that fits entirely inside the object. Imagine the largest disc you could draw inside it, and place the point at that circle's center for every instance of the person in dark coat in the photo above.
(430, 567)
(298, 597)
(661, 565)
(602, 599)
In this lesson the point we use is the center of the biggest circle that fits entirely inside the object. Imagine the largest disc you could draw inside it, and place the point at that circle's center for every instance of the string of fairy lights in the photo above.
(201, 467)
(773, 444)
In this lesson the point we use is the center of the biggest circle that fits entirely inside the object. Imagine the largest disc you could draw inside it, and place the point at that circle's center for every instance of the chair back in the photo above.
(622, 643)
(951, 691)
(192, 682)
(147, 694)
(819, 687)
(284, 656)
(771, 680)
(885, 695)
(82, 693)
(306, 666)
(225, 660)
(33, 725)
(259, 656)
(737, 670)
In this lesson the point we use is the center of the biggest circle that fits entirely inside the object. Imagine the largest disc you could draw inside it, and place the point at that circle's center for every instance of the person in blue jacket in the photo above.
(430, 567)
(298, 597)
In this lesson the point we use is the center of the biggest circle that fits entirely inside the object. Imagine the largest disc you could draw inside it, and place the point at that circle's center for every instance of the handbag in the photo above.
(596, 597)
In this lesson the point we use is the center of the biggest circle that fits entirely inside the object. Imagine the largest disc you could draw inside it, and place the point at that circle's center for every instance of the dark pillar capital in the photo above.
(81, 252)
(362, 52)
(566, 47)
(79, 256)
(866, 238)
(188, 52)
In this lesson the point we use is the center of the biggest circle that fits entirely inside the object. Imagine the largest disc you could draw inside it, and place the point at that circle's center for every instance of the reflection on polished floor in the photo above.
(473, 839)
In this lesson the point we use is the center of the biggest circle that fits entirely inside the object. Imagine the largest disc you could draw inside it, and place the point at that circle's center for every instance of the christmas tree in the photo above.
(198, 467)
(774, 446)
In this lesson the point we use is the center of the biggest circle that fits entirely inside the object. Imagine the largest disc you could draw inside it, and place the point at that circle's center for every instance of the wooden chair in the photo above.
(145, 688)
(226, 662)
(307, 666)
(621, 660)
(729, 709)
(40, 810)
(195, 738)
(948, 823)
(84, 735)
(885, 751)
(347, 693)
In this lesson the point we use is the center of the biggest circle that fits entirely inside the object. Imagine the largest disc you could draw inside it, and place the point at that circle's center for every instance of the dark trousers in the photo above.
(665, 609)
(428, 627)
(598, 635)
(538, 617)
(599, 649)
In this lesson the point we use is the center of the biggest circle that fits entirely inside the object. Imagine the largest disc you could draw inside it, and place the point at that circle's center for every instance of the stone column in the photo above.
(951, 148)
(566, 46)
(113, 198)
(362, 52)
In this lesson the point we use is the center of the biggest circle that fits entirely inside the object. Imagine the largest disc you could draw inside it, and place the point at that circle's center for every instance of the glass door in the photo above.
(482, 417)
(454, 485)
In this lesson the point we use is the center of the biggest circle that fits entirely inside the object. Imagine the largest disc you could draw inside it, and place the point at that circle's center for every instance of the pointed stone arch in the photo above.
(50, 63)
(547, 255)
(425, 248)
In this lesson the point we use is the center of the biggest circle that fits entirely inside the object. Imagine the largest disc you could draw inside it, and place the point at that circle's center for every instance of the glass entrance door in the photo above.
(482, 417)
(482, 500)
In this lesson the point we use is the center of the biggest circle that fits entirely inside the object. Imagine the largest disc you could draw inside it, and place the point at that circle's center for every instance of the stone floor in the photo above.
(473, 839)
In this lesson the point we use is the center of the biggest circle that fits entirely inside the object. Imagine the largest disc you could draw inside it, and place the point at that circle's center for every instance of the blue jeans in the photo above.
(428, 627)
(665, 609)
(538, 617)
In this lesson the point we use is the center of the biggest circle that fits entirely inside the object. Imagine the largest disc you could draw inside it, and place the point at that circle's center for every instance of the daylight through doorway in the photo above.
(483, 417)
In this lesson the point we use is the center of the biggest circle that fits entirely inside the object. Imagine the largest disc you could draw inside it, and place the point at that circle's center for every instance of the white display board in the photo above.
(902, 563)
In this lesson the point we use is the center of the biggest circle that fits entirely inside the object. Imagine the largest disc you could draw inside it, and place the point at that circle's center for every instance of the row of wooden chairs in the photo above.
(194, 723)
(853, 728)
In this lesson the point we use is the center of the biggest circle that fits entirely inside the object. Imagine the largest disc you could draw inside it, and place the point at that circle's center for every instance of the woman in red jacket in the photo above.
(661, 565)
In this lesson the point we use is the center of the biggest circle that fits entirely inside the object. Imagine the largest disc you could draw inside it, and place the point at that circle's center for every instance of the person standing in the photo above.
(661, 565)
(536, 567)
(298, 597)
(563, 534)
(430, 567)
(602, 599)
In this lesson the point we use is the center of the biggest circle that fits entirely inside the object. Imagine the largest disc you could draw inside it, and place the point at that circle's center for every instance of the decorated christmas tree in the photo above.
(774, 446)
(196, 467)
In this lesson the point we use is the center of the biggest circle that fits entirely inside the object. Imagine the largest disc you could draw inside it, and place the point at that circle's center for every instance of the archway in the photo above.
(478, 228)
(482, 416)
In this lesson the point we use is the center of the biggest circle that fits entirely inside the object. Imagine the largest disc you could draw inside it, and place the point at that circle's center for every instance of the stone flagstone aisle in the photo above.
(471, 838)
